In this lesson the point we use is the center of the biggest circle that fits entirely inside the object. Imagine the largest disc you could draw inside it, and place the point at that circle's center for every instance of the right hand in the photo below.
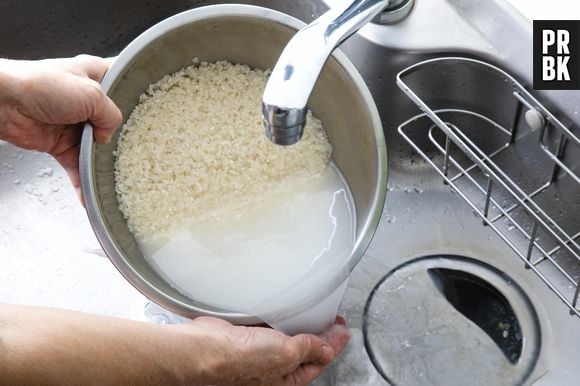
(260, 356)
(44, 103)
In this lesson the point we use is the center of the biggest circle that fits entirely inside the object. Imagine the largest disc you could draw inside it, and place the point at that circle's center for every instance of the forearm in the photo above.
(48, 346)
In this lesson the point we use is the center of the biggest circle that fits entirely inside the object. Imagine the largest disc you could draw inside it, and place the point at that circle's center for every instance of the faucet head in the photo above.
(284, 126)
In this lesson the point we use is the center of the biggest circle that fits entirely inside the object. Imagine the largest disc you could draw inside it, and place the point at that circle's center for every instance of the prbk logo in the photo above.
(556, 54)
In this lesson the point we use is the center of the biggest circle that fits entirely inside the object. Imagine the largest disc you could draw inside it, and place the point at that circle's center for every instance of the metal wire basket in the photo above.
(511, 160)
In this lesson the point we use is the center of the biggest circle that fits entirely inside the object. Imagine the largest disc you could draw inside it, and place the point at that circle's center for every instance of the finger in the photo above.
(68, 136)
(80, 196)
(69, 160)
(305, 374)
(110, 60)
(340, 320)
(312, 349)
(337, 336)
(66, 152)
(92, 66)
(105, 117)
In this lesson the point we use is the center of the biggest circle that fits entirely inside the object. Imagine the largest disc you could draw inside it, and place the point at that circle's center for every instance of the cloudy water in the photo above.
(270, 261)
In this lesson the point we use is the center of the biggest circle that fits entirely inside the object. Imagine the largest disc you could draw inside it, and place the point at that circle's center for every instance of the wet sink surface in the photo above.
(47, 248)
(46, 245)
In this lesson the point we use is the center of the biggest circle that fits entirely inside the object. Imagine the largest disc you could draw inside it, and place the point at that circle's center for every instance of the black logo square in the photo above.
(557, 54)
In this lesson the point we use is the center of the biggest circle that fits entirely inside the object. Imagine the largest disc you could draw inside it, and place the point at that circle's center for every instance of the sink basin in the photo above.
(439, 298)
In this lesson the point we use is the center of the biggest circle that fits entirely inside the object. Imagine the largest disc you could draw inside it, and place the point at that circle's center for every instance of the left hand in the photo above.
(260, 356)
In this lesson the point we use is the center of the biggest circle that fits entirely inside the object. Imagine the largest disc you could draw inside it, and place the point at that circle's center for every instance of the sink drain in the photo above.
(450, 320)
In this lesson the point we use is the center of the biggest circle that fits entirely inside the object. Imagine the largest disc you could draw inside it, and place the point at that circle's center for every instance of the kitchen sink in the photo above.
(448, 293)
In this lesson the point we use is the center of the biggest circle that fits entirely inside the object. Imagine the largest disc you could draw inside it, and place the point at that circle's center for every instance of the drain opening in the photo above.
(450, 320)
(484, 305)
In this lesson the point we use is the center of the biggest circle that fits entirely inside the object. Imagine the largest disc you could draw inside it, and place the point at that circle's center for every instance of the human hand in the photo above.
(44, 103)
(47, 346)
(244, 356)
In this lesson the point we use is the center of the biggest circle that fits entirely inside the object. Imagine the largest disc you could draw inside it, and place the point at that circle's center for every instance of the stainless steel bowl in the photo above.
(239, 34)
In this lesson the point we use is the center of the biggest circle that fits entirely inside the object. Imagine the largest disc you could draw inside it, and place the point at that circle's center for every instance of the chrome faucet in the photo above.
(294, 76)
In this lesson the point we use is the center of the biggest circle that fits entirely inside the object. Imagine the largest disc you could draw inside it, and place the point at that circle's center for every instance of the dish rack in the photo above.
(482, 150)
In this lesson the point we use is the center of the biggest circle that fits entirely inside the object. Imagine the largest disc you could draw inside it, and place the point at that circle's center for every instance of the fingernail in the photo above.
(326, 354)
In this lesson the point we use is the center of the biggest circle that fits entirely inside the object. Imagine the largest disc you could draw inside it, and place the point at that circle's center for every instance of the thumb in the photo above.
(312, 349)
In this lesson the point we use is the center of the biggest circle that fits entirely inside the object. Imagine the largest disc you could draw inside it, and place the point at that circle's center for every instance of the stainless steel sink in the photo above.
(439, 298)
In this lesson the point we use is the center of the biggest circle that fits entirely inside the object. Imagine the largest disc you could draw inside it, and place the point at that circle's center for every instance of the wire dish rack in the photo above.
(507, 156)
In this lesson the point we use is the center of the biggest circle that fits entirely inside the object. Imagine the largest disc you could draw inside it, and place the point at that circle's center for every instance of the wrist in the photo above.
(198, 360)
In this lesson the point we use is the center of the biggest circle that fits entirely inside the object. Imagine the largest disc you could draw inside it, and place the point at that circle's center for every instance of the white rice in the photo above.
(194, 150)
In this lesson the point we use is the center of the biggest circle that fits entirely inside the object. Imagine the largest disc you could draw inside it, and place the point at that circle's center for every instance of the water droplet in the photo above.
(17, 182)
(46, 172)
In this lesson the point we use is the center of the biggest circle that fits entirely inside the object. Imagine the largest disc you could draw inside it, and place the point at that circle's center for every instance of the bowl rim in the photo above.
(86, 166)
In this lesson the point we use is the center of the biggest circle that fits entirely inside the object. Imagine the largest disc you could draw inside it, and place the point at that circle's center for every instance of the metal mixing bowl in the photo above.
(240, 34)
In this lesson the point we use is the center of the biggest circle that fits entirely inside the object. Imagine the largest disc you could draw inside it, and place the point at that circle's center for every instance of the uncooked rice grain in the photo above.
(194, 150)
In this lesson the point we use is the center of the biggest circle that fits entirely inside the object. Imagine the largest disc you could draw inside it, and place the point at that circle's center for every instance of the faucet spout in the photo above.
(300, 64)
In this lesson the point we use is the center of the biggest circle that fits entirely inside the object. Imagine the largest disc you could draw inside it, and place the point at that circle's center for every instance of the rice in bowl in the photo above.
(194, 150)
